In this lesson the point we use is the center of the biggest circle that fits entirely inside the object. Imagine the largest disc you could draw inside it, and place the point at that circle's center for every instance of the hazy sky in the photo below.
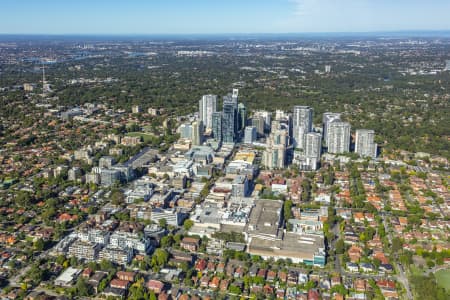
(220, 16)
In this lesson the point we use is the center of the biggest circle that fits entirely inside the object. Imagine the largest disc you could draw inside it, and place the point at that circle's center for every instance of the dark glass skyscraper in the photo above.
(242, 116)
(230, 118)
(217, 126)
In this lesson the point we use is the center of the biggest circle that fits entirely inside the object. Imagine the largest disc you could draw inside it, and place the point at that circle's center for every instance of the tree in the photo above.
(188, 224)
(117, 197)
(39, 245)
(163, 222)
(82, 288)
(287, 210)
(396, 245)
(161, 256)
(340, 246)
(166, 241)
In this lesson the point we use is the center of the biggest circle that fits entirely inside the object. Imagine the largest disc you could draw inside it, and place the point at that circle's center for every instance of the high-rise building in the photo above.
(285, 120)
(364, 143)
(302, 124)
(185, 131)
(258, 123)
(217, 126)
(313, 150)
(327, 118)
(197, 133)
(274, 157)
(242, 116)
(338, 137)
(229, 118)
(207, 106)
(250, 134)
(266, 117)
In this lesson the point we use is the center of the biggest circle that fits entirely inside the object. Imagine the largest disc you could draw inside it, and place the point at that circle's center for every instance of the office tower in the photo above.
(327, 69)
(207, 106)
(250, 134)
(327, 118)
(229, 118)
(185, 131)
(242, 116)
(447, 66)
(197, 133)
(302, 124)
(217, 126)
(364, 143)
(313, 150)
(338, 137)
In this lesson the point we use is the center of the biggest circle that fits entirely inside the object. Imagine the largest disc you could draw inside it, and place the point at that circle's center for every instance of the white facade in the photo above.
(250, 134)
(338, 137)
(328, 118)
(197, 133)
(364, 143)
(302, 124)
(313, 149)
(207, 106)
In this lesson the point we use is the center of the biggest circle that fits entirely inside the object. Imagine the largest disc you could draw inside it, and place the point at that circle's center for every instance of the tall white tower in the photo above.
(302, 124)
(339, 137)
(364, 143)
(207, 106)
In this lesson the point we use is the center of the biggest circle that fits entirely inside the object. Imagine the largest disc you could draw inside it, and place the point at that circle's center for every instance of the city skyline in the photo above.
(207, 17)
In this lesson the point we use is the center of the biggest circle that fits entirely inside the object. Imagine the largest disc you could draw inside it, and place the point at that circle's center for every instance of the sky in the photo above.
(220, 16)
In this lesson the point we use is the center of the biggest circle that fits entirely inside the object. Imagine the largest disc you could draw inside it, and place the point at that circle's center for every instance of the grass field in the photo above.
(443, 278)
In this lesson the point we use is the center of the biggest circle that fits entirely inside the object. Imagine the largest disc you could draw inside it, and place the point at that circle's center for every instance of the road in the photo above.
(401, 277)
(337, 259)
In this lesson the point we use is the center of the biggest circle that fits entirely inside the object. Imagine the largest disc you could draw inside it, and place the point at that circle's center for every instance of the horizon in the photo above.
(444, 33)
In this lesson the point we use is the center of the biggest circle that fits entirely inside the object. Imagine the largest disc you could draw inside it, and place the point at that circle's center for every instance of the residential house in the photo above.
(155, 285)
(190, 244)
(214, 283)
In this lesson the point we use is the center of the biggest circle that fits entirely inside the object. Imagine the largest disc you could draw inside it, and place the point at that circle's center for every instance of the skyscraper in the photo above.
(327, 118)
(258, 123)
(338, 137)
(274, 157)
(217, 126)
(229, 118)
(266, 117)
(250, 134)
(302, 124)
(197, 133)
(207, 106)
(285, 120)
(242, 116)
(313, 150)
(364, 143)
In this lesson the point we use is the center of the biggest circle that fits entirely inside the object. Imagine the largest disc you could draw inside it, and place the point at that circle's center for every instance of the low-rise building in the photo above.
(190, 244)
(84, 250)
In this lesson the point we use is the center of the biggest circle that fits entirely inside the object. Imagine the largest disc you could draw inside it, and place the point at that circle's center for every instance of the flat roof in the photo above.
(68, 275)
(292, 245)
(265, 217)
